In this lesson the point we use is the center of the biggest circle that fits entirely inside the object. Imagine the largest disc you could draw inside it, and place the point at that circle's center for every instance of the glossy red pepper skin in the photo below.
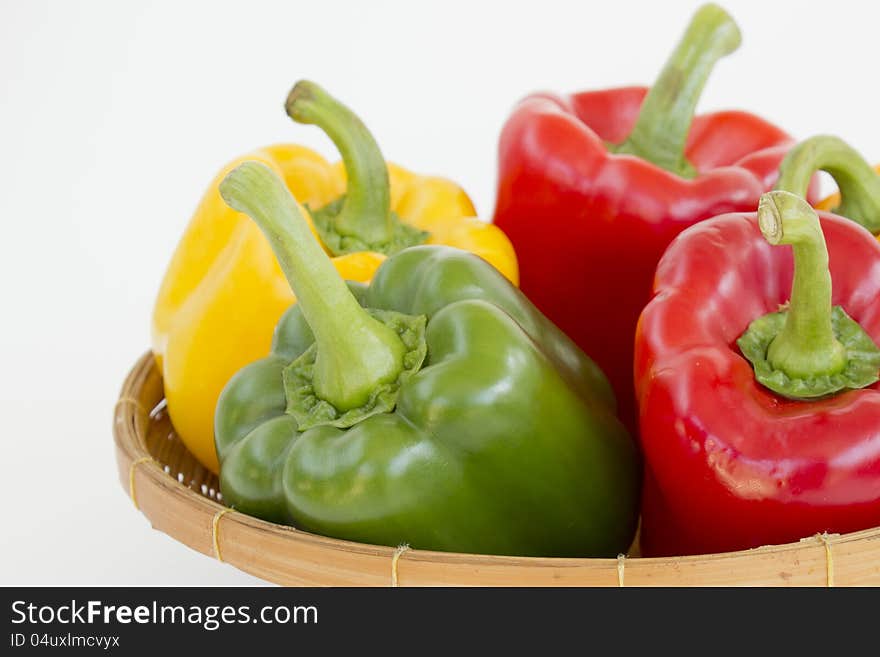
(729, 464)
(589, 226)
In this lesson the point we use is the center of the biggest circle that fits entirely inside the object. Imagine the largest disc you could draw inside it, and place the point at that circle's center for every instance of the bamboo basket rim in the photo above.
(285, 555)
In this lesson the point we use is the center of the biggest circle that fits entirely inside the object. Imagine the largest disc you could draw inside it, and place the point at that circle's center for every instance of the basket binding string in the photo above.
(826, 539)
(215, 532)
(395, 558)
(132, 491)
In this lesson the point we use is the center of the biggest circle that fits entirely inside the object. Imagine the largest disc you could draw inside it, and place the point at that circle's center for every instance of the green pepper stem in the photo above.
(806, 346)
(665, 118)
(366, 212)
(355, 353)
(859, 184)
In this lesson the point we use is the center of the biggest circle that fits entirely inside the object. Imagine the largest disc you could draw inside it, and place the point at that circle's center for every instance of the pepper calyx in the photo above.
(403, 235)
(862, 358)
(810, 349)
(310, 410)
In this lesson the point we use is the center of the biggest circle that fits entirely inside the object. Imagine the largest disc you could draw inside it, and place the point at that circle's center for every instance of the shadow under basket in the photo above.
(182, 499)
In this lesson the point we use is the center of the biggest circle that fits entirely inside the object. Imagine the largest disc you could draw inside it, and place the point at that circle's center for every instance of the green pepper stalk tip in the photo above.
(301, 94)
(770, 220)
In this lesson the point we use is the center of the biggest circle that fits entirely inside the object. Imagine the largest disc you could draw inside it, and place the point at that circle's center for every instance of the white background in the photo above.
(115, 115)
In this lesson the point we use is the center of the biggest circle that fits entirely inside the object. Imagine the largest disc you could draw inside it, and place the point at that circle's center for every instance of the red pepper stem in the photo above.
(355, 352)
(664, 121)
(366, 213)
(806, 347)
(859, 184)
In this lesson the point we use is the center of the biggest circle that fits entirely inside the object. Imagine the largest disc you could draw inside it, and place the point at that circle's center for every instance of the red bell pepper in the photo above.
(760, 411)
(594, 186)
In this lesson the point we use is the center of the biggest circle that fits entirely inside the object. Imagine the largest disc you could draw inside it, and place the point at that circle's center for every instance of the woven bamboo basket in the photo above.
(182, 499)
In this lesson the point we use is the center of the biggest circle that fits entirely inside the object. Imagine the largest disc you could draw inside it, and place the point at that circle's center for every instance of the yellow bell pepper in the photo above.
(224, 292)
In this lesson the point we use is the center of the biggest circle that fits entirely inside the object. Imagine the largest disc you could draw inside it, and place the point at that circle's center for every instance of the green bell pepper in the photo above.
(436, 407)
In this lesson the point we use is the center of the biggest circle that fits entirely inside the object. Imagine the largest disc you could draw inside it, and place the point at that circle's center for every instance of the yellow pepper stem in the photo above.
(859, 184)
(355, 352)
(366, 212)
